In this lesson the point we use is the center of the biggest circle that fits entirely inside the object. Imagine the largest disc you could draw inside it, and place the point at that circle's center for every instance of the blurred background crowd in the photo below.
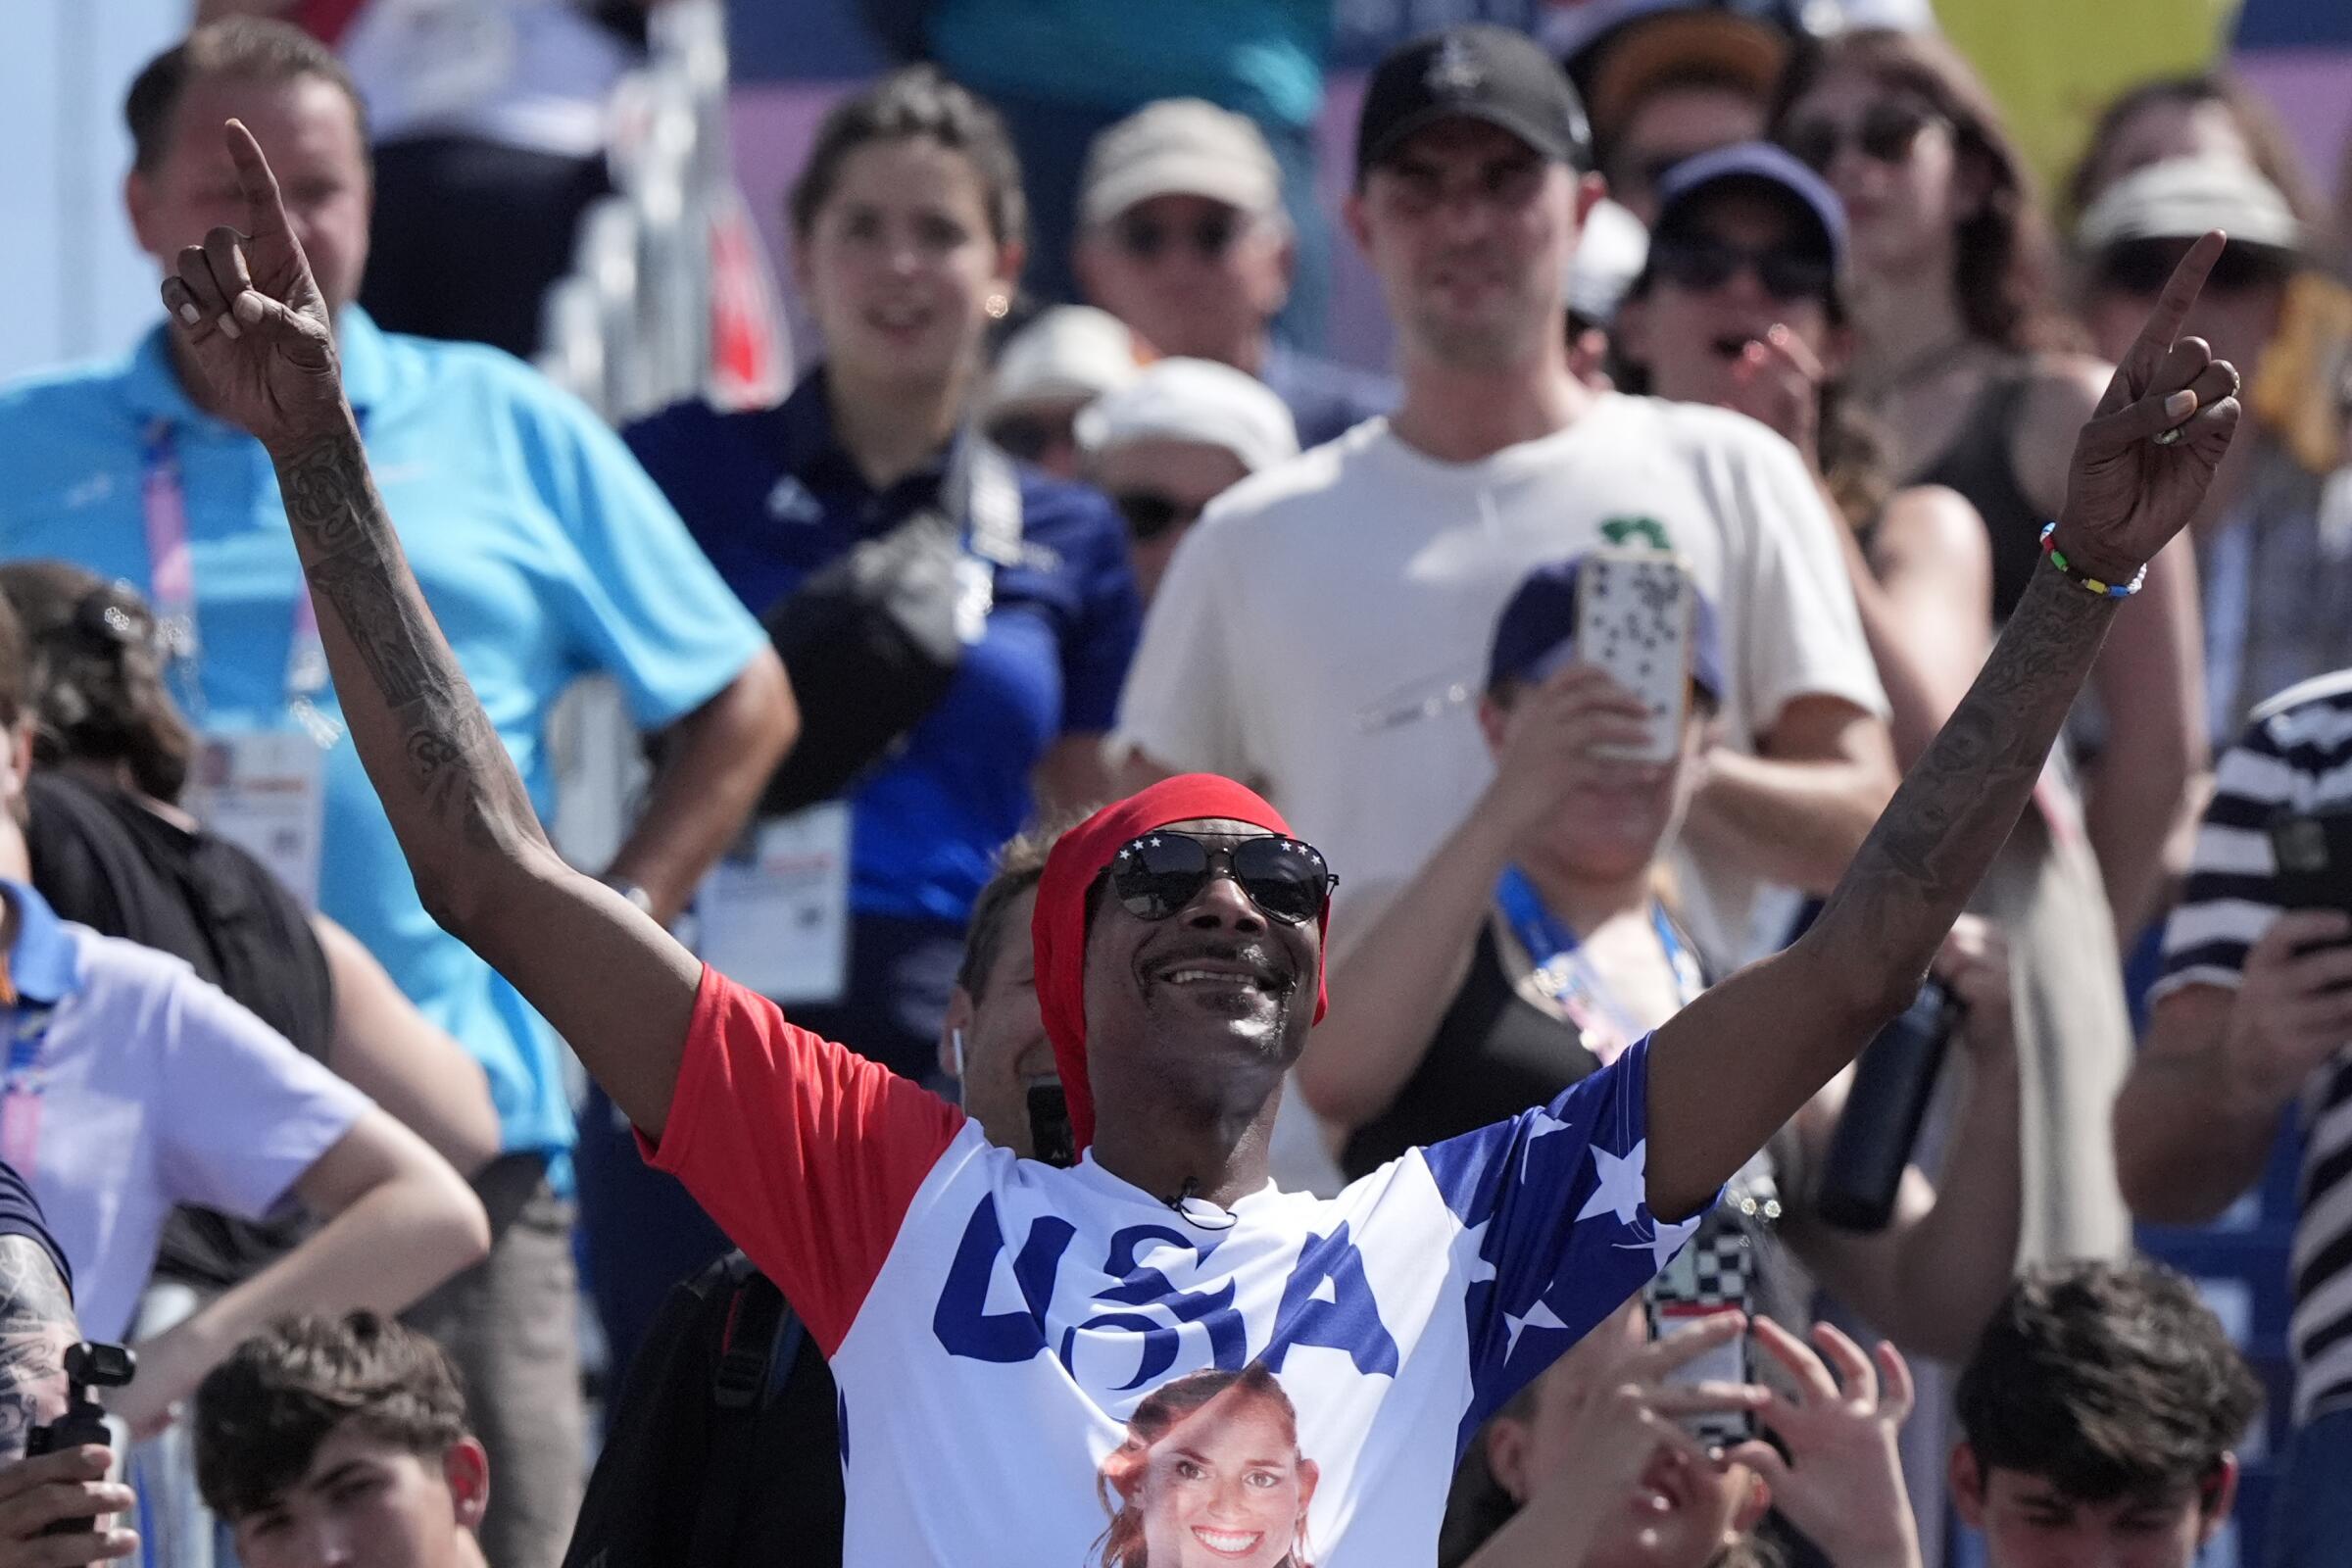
(676, 328)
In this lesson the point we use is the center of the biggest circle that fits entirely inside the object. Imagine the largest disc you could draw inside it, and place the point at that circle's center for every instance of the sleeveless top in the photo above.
(1494, 1054)
(1979, 464)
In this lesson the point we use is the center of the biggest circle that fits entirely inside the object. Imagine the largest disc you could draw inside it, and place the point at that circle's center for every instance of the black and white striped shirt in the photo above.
(2295, 757)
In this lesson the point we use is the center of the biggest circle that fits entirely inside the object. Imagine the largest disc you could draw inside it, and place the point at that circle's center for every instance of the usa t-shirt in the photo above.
(993, 1324)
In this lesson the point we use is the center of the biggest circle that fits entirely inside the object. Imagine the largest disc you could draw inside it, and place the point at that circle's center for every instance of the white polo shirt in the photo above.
(130, 1086)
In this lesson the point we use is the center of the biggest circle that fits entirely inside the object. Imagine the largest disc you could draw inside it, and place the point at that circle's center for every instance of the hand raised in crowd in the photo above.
(2145, 460)
(1975, 966)
(1557, 739)
(2294, 1008)
(70, 1484)
(1842, 1481)
(252, 319)
(1777, 382)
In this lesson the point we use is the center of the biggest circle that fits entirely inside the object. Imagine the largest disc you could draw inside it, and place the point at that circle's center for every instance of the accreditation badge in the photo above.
(774, 912)
(266, 793)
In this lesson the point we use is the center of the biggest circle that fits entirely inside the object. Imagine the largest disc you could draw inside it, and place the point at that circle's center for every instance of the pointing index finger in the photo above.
(264, 211)
(2181, 291)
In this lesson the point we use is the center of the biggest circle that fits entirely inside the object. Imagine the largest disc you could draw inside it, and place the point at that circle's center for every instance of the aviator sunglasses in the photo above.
(1159, 873)
(1885, 134)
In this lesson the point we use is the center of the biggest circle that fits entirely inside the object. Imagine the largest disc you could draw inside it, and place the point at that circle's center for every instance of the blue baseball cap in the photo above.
(1755, 163)
(1536, 633)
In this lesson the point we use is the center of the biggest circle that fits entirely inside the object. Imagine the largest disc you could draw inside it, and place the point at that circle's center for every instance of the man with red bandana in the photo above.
(993, 1322)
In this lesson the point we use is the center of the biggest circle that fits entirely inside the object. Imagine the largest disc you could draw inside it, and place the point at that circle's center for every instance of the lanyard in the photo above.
(21, 1089)
(171, 566)
(1568, 976)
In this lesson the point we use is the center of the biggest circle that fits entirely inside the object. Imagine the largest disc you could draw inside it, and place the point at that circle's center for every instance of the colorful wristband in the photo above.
(2075, 574)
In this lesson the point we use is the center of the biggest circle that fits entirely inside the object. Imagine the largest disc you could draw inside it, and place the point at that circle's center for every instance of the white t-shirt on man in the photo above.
(1324, 632)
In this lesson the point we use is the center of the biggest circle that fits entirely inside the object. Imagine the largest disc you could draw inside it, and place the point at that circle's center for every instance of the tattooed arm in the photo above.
(36, 1325)
(1779, 1029)
(614, 983)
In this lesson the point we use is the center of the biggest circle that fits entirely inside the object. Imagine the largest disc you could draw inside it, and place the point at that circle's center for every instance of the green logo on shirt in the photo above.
(1648, 530)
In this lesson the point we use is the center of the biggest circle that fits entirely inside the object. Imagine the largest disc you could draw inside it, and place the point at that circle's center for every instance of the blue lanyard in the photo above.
(1569, 977)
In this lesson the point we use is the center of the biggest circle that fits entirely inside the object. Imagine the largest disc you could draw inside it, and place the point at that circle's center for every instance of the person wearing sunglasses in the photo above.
(1164, 447)
(1739, 304)
(1957, 323)
(1539, 942)
(1183, 236)
(2274, 542)
(1179, 939)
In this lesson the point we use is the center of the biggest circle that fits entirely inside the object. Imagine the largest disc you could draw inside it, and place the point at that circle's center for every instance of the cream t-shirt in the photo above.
(1323, 633)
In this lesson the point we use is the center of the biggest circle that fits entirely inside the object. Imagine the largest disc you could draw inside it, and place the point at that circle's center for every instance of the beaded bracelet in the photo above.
(2075, 574)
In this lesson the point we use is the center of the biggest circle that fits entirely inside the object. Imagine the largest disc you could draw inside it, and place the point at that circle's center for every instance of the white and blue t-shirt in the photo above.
(998, 1326)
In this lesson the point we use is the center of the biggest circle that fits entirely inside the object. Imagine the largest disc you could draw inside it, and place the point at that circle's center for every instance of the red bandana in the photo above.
(1058, 927)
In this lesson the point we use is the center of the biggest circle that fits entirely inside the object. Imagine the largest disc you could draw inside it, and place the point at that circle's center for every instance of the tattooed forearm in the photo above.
(1940, 834)
(445, 778)
(36, 1325)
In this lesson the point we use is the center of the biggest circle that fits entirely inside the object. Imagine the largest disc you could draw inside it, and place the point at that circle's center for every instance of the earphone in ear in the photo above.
(956, 1048)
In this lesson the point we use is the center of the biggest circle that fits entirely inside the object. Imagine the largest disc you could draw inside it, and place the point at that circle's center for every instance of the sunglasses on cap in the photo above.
(1885, 134)
(1211, 235)
(1150, 514)
(1702, 262)
(1161, 873)
(2142, 267)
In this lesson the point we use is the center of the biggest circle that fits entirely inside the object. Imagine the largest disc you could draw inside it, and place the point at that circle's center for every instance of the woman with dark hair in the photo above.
(1210, 1472)
(907, 234)
(112, 849)
(1958, 353)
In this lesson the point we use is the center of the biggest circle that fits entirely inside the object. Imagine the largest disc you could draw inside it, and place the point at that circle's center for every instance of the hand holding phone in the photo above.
(1711, 1281)
(1635, 610)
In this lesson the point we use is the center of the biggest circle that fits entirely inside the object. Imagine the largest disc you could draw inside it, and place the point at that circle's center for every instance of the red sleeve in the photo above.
(806, 1154)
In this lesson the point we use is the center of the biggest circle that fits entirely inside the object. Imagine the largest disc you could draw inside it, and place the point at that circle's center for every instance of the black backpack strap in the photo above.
(757, 1322)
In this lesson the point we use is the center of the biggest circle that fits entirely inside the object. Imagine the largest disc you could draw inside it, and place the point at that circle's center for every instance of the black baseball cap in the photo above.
(1475, 72)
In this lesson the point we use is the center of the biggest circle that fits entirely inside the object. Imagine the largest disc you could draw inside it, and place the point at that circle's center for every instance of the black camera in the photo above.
(88, 1365)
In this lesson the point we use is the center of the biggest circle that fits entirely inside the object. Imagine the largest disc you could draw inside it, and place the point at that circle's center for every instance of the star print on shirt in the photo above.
(1623, 1183)
(1538, 1316)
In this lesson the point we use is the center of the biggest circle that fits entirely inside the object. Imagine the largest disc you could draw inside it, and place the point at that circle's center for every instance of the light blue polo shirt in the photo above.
(543, 551)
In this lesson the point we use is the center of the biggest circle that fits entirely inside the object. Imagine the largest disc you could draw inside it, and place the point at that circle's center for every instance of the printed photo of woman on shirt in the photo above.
(1210, 1474)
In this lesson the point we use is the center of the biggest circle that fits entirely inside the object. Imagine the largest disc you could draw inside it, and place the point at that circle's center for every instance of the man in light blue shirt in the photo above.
(551, 556)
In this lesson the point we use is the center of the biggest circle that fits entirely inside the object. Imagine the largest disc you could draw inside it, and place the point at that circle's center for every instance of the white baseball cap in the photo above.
(1069, 352)
(1179, 147)
(2183, 198)
(1194, 400)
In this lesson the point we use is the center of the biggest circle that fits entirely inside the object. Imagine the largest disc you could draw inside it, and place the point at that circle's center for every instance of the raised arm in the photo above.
(1779, 1029)
(610, 980)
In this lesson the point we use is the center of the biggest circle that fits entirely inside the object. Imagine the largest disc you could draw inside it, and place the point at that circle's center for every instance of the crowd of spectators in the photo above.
(1169, 975)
